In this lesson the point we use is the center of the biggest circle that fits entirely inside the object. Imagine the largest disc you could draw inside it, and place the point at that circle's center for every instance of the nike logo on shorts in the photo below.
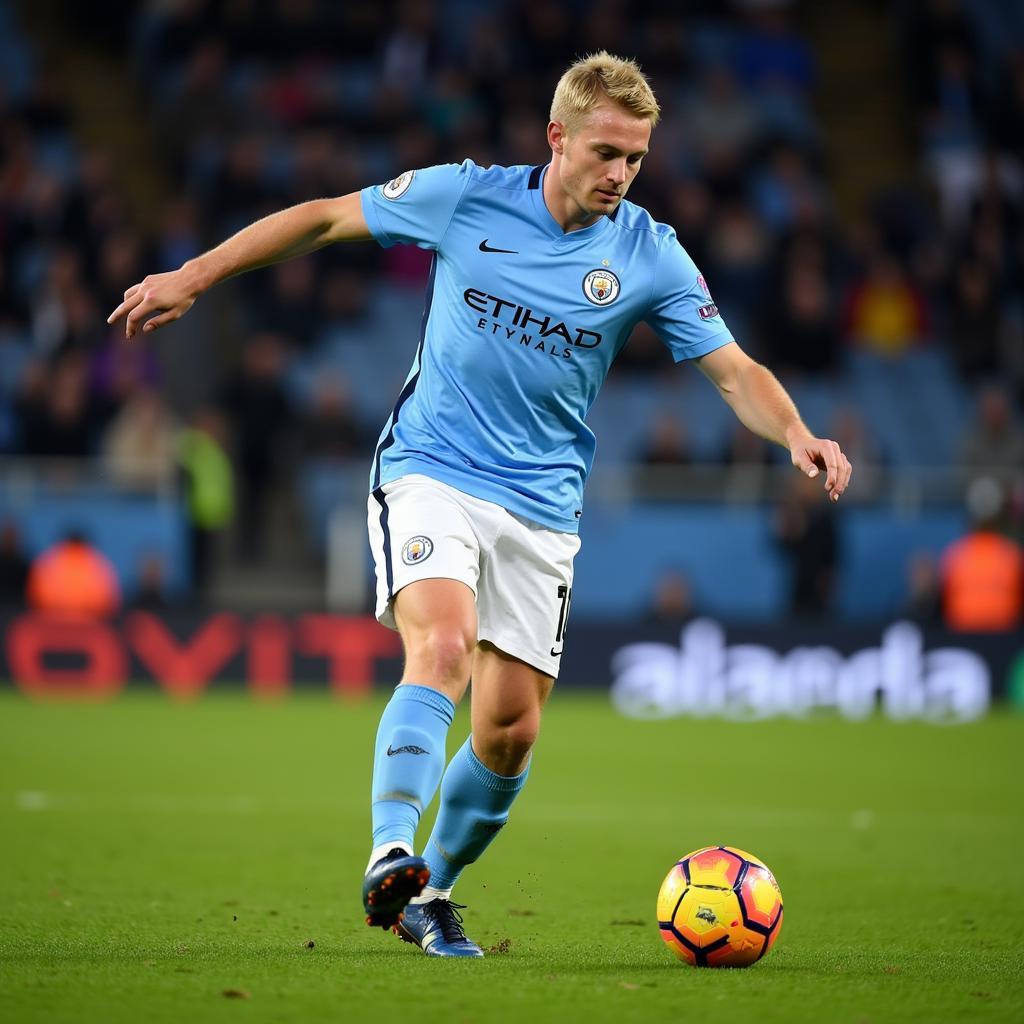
(410, 748)
(484, 247)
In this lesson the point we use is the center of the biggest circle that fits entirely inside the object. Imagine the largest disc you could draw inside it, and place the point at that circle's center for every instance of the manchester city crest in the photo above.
(416, 549)
(601, 287)
(397, 187)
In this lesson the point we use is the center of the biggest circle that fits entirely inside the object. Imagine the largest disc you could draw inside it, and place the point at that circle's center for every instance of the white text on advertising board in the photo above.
(705, 676)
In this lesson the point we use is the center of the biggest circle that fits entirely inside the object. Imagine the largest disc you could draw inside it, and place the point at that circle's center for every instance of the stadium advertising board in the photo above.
(187, 654)
(704, 674)
(652, 670)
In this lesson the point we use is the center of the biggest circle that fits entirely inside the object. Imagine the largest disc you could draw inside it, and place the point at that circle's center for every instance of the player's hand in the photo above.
(813, 454)
(169, 296)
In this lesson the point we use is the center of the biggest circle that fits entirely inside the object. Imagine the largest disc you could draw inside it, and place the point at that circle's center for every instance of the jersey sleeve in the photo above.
(681, 309)
(417, 206)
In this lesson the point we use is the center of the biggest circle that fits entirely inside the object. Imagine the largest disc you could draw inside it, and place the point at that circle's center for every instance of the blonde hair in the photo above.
(601, 75)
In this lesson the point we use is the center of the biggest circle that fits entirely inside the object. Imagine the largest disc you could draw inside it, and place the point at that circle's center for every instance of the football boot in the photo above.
(389, 885)
(436, 927)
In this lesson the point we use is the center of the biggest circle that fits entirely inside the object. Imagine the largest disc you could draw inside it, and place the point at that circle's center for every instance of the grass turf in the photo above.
(202, 863)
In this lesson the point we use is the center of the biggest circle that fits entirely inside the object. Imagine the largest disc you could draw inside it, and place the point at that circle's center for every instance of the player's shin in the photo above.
(474, 806)
(408, 763)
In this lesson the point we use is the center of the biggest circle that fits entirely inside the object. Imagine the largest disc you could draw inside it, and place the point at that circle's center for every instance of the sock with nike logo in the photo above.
(474, 806)
(408, 761)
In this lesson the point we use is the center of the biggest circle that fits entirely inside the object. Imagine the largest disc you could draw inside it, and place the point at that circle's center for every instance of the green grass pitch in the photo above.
(201, 863)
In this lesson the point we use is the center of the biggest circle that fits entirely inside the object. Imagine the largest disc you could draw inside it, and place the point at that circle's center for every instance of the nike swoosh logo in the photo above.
(409, 749)
(484, 247)
(555, 654)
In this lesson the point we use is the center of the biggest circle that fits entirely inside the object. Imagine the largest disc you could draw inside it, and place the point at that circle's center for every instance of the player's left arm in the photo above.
(762, 404)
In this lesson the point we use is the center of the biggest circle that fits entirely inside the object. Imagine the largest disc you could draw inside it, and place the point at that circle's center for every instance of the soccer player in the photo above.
(539, 275)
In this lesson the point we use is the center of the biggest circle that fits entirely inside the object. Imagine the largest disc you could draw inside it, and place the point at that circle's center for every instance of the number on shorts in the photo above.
(565, 596)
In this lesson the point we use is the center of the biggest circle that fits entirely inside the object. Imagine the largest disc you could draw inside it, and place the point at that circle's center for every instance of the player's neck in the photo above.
(565, 211)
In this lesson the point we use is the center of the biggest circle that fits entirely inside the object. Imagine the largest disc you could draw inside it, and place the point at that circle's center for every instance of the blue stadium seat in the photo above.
(734, 565)
(877, 547)
(325, 485)
(726, 553)
(880, 391)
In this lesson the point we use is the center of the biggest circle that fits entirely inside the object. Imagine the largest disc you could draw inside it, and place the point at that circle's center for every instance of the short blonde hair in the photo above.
(601, 75)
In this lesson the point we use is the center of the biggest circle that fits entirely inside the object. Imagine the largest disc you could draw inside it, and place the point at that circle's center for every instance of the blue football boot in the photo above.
(390, 884)
(436, 927)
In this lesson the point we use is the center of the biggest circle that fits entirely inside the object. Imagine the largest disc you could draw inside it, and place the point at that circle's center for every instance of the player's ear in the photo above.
(556, 137)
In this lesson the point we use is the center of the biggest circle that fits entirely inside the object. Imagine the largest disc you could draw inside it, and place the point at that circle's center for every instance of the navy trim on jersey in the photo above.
(410, 385)
(466, 400)
(389, 572)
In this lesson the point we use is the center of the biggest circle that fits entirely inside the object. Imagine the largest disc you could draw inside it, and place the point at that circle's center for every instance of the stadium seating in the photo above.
(284, 125)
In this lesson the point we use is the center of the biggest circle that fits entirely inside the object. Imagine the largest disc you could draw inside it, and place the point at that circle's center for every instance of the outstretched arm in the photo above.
(292, 232)
(762, 405)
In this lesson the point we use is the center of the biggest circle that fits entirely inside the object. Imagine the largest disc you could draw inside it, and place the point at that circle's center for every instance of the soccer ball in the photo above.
(720, 907)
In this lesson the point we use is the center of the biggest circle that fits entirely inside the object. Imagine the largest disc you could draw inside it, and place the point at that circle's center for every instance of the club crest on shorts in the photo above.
(416, 549)
(601, 287)
(397, 187)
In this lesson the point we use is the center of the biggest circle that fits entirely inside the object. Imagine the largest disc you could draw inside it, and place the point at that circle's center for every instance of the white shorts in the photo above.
(519, 571)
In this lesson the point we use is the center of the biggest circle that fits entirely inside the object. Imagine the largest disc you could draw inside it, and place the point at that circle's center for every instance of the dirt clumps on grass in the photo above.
(501, 946)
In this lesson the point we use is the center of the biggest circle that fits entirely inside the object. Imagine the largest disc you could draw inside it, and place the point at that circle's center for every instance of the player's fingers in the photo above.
(804, 462)
(848, 468)
(827, 456)
(844, 471)
(131, 298)
(158, 321)
(138, 315)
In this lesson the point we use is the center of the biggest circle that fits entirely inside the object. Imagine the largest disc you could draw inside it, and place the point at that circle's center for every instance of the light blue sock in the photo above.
(474, 805)
(408, 761)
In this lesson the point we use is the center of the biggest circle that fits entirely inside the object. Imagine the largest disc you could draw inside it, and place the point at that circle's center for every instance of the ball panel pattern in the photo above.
(677, 946)
(716, 866)
(760, 899)
(720, 907)
(671, 889)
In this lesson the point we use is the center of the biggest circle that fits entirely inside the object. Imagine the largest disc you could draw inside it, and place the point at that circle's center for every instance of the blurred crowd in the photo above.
(253, 105)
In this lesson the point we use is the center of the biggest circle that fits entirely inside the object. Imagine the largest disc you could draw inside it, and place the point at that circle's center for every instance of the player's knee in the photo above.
(448, 651)
(521, 734)
(505, 746)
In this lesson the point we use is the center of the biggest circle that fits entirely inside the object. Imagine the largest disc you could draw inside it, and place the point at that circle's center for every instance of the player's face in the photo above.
(598, 161)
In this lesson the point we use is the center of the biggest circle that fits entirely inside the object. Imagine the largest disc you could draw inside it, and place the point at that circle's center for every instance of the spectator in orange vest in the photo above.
(73, 578)
(983, 573)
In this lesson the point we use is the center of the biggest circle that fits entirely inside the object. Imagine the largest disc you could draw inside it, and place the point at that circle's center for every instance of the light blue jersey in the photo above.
(521, 325)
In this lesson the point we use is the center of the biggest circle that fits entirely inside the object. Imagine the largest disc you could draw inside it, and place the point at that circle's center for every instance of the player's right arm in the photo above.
(161, 298)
